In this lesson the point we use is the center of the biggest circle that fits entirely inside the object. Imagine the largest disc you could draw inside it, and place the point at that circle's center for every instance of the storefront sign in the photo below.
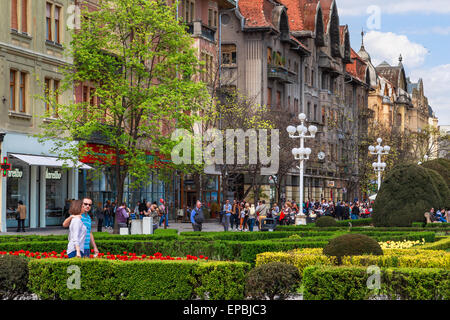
(5, 166)
(16, 173)
(52, 175)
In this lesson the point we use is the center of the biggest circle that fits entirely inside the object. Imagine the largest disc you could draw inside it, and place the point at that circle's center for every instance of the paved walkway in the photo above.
(181, 227)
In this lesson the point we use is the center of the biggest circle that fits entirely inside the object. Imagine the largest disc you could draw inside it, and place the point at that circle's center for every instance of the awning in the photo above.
(48, 161)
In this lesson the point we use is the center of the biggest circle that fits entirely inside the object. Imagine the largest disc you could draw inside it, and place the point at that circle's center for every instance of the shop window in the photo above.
(17, 190)
(228, 54)
(55, 195)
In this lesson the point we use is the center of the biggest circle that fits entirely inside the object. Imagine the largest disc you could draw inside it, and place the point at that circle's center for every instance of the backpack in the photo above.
(199, 217)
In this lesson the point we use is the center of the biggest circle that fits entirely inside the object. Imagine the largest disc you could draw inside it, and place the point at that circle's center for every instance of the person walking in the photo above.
(21, 216)
(164, 214)
(107, 213)
(77, 231)
(235, 215)
(244, 217)
(100, 217)
(227, 209)
(251, 217)
(87, 221)
(262, 209)
(197, 217)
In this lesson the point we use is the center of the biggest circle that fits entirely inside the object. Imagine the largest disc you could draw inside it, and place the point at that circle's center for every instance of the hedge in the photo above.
(443, 244)
(218, 250)
(391, 258)
(162, 234)
(350, 283)
(138, 280)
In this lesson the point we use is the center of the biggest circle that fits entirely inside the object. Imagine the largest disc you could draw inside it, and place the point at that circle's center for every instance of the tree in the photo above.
(142, 64)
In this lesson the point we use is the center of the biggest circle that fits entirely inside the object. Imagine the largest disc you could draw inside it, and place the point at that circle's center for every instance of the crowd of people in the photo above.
(243, 216)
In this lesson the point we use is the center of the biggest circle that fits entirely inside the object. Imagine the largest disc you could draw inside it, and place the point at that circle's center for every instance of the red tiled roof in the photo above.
(302, 14)
(342, 32)
(357, 68)
(257, 13)
(326, 11)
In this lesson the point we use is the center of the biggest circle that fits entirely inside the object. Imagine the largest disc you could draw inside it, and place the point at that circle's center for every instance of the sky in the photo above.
(419, 30)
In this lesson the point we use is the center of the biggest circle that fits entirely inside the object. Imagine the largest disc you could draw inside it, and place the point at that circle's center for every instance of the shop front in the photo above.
(37, 178)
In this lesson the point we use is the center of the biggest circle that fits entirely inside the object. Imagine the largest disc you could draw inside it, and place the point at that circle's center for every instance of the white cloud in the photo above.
(359, 7)
(388, 46)
(436, 82)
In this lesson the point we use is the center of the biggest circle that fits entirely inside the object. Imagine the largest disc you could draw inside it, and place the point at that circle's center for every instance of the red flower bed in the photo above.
(126, 256)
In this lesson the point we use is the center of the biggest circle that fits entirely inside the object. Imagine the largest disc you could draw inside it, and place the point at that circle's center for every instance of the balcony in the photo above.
(281, 74)
(198, 29)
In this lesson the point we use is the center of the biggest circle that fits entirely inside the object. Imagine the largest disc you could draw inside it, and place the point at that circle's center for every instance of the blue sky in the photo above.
(418, 29)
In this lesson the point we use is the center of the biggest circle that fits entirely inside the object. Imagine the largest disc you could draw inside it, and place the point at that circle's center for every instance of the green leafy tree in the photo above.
(142, 64)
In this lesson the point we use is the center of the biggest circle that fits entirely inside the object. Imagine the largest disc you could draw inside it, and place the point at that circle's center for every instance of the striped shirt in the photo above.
(87, 222)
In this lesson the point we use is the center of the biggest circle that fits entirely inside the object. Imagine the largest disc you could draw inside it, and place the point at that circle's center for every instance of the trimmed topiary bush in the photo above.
(13, 276)
(352, 244)
(408, 191)
(441, 166)
(326, 221)
(275, 279)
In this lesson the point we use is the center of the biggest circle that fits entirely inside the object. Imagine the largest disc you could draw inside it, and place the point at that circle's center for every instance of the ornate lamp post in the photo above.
(379, 151)
(301, 153)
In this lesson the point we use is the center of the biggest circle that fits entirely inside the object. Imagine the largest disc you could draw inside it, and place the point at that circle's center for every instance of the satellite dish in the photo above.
(321, 155)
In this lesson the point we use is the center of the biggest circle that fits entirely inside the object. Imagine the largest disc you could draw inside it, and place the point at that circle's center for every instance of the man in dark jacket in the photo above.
(346, 212)
(197, 211)
(339, 211)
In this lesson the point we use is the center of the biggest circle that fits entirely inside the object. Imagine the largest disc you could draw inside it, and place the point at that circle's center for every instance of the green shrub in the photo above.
(326, 221)
(351, 245)
(350, 283)
(441, 166)
(271, 280)
(443, 244)
(13, 276)
(103, 279)
(414, 187)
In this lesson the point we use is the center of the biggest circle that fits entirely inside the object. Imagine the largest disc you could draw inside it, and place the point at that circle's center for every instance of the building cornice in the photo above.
(19, 51)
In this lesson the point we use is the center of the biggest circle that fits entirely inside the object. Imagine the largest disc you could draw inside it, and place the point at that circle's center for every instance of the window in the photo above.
(212, 17)
(315, 112)
(323, 114)
(14, 15)
(19, 15)
(228, 54)
(48, 22)
(308, 111)
(208, 72)
(46, 93)
(312, 78)
(269, 96)
(22, 88)
(57, 24)
(12, 90)
(278, 99)
(269, 55)
(55, 91)
(187, 10)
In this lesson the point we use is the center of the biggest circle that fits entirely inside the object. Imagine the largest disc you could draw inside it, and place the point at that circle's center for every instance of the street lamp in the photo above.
(379, 151)
(301, 153)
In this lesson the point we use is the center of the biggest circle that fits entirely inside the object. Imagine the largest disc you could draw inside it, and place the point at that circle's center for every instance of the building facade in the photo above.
(31, 54)
(295, 56)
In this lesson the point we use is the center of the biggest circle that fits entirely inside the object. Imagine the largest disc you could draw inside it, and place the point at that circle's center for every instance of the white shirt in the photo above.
(77, 235)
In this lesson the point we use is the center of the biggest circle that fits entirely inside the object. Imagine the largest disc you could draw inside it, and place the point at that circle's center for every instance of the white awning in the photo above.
(48, 161)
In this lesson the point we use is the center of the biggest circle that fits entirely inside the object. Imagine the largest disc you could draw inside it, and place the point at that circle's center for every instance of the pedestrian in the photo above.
(100, 217)
(77, 231)
(122, 216)
(227, 209)
(107, 211)
(142, 208)
(235, 215)
(197, 217)
(251, 217)
(87, 221)
(164, 214)
(21, 216)
(262, 210)
(244, 217)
